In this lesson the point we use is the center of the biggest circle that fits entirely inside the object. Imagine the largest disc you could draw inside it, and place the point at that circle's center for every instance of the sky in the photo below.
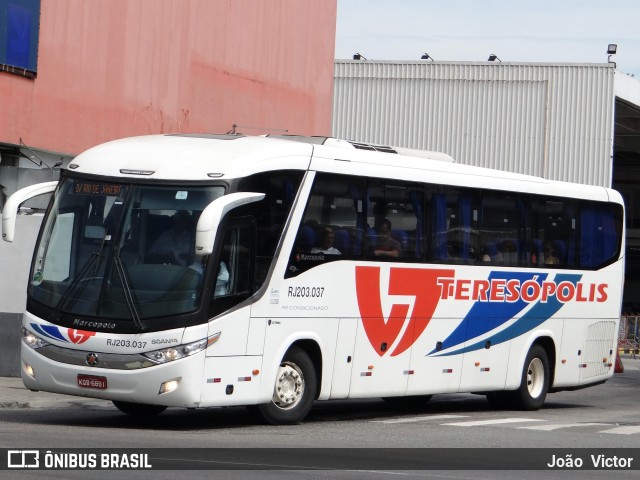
(566, 31)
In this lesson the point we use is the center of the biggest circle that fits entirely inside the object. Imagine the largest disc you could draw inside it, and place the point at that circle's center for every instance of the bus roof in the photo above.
(191, 157)
(202, 157)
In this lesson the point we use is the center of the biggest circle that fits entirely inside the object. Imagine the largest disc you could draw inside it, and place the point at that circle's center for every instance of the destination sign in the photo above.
(97, 188)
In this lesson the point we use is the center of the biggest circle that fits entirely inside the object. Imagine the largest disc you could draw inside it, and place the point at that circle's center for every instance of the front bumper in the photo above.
(137, 386)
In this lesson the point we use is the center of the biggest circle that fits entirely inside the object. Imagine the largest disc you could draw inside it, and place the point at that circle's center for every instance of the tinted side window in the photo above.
(503, 231)
(332, 227)
(600, 232)
(553, 232)
(270, 214)
(395, 221)
(454, 232)
(234, 269)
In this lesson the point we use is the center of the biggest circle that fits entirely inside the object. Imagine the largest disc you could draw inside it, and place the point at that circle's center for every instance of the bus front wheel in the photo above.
(294, 390)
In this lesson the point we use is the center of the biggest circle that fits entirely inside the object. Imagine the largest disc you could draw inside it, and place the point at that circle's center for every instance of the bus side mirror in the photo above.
(10, 210)
(213, 214)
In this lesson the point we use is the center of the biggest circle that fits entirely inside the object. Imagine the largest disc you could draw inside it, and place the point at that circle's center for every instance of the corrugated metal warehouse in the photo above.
(554, 121)
(572, 122)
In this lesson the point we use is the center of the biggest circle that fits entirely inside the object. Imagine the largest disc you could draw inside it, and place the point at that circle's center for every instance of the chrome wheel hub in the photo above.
(535, 377)
(289, 386)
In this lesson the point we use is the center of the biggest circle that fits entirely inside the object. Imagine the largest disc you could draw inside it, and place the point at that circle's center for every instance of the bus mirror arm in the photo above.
(10, 210)
(213, 214)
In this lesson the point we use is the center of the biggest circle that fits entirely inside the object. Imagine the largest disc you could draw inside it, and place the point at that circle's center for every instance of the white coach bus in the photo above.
(215, 270)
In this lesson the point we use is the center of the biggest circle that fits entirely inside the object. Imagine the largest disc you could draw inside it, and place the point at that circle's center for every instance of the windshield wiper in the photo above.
(81, 275)
(95, 256)
(128, 294)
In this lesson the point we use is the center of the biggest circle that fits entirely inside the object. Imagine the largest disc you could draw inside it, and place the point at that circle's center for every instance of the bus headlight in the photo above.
(174, 353)
(33, 340)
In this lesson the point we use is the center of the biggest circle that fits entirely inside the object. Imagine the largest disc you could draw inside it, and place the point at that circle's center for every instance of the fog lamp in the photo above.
(169, 386)
(28, 369)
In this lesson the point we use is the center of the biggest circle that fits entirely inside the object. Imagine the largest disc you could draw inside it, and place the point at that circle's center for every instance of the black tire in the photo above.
(139, 409)
(534, 383)
(294, 391)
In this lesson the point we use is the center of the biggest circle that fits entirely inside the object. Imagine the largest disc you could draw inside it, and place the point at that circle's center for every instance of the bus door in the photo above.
(229, 364)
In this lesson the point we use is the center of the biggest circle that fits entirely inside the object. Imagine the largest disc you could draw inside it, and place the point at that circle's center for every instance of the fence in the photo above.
(629, 334)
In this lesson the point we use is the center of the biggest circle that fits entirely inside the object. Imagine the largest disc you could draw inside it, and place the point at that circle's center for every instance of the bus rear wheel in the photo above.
(535, 381)
(534, 384)
(139, 409)
(293, 393)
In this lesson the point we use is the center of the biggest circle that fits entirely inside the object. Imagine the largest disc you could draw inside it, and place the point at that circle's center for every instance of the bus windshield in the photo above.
(120, 251)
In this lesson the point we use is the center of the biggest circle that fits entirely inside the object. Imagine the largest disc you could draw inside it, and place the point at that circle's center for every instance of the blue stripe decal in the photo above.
(485, 316)
(49, 331)
(538, 314)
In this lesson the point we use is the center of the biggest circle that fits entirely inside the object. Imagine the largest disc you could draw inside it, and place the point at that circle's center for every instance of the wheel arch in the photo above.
(520, 349)
(549, 346)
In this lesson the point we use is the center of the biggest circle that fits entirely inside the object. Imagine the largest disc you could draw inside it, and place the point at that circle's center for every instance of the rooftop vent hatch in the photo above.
(373, 148)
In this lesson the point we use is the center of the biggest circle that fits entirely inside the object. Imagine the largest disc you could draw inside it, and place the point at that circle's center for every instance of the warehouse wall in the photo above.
(549, 120)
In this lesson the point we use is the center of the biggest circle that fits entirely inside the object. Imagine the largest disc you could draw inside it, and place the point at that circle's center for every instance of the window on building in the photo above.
(19, 32)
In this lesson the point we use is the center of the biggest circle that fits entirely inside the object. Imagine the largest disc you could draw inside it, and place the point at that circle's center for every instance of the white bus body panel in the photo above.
(233, 330)
(343, 363)
(375, 376)
(232, 381)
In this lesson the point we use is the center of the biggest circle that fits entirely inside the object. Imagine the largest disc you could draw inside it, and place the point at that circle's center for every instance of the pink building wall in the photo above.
(116, 68)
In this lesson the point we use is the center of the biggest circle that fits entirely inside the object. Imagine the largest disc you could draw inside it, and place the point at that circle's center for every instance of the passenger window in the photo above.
(454, 233)
(332, 225)
(553, 232)
(270, 214)
(394, 221)
(600, 231)
(503, 230)
(234, 269)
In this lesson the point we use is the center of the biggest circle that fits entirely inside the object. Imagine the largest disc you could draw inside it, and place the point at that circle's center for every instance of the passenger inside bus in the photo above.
(326, 243)
(222, 280)
(509, 252)
(386, 245)
(174, 245)
(550, 257)
(490, 253)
